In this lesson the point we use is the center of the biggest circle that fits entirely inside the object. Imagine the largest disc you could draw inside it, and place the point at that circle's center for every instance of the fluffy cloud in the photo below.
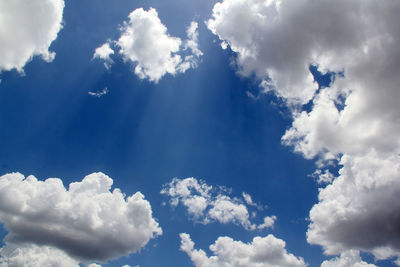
(33, 256)
(347, 259)
(145, 42)
(103, 52)
(206, 204)
(27, 29)
(87, 221)
(356, 120)
(266, 251)
(359, 210)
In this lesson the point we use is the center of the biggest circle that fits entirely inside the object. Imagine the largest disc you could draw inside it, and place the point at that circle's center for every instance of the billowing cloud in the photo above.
(266, 251)
(359, 210)
(145, 42)
(206, 204)
(355, 121)
(87, 221)
(33, 256)
(347, 259)
(27, 29)
(103, 52)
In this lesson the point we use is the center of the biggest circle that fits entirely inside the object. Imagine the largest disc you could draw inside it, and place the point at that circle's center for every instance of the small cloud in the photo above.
(99, 93)
(269, 222)
(206, 204)
(103, 52)
(262, 251)
(156, 53)
(322, 177)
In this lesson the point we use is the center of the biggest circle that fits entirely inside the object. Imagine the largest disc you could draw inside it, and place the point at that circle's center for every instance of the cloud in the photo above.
(99, 93)
(359, 210)
(266, 251)
(103, 52)
(355, 121)
(347, 259)
(33, 256)
(27, 29)
(323, 176)
(206, 204)
(145, 42)
(269, 221)
(278, 40)
(87, 221)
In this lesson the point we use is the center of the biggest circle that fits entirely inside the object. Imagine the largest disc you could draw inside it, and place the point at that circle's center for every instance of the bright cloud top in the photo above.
(145, 42)
(206, 204)
(27, 29)
(88, 221)
(266, 251)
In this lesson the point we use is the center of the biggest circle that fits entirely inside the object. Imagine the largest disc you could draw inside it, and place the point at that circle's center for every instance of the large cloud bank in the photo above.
(145, 42)
(87, 221)
(355, 121)
(266, 251)
(206, 204)
(27, 29)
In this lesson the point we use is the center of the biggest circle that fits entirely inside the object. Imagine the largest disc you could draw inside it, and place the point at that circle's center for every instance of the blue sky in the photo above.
(293, 103)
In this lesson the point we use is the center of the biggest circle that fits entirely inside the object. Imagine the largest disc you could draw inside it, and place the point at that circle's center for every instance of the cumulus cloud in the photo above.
(87, 221)
(355, 121)
(359, 210)
(27, 29)
(103, 52)
(33, 256)
(146, 43)
(266, 251)
(347, 259)
(206, 204)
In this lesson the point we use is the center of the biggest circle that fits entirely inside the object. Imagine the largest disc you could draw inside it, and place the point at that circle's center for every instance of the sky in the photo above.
(199, 133)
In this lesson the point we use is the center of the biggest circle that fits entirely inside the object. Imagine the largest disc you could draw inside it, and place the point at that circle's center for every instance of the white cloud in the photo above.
(103, 52)
(347, 259)
(99, 93)
(27, 29)
(356, 120)
(323, 176)
(33, 256)
(266, 251)
(269, 221)
(206, 204)
(226, 210)
(87, 221)
(145, 42)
